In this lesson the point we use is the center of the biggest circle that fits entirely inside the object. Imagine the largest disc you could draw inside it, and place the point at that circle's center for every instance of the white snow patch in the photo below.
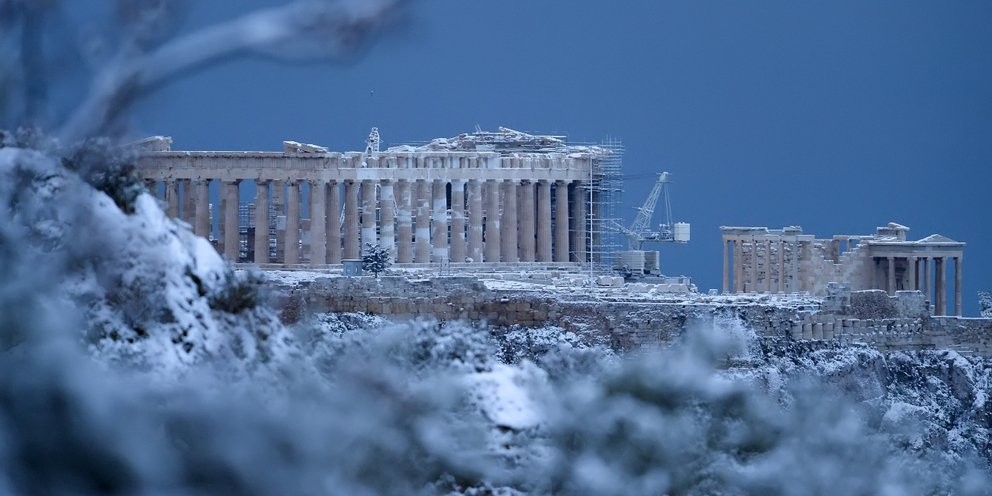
(505, 394)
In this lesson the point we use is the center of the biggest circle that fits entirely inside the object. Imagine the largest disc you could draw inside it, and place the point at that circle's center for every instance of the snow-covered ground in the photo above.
(572, 287)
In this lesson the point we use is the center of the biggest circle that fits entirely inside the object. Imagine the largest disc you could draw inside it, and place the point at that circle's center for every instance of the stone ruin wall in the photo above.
(872, 317)
(853, 266)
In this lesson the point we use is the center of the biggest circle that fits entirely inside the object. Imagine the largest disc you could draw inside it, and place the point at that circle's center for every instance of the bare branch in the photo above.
(302, 29)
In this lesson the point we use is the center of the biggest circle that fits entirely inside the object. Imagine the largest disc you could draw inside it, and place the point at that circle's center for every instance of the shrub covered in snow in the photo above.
(985, 303)
(375, 259)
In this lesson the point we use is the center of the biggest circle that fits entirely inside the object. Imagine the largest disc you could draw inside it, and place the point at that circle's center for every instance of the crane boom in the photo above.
(639, 232)
(644, 214)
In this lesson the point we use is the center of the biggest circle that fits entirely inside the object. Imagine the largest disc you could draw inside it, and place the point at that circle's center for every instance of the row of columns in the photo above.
(916, 276)
(745, 275)
(493, 220)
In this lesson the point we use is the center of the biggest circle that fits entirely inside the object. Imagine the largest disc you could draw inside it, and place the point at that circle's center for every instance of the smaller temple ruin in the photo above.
(759, 259)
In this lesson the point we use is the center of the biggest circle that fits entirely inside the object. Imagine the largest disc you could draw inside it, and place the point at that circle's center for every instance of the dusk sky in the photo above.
(835, 116)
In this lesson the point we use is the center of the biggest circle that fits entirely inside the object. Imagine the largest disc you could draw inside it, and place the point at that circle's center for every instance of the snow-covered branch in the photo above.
(302, 29)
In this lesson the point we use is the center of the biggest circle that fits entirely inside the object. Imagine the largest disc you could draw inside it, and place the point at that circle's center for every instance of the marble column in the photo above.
(561, 221)
(579, 199)
(292, 243)
(925, 269)
(189, 202)
(768, 266)
(754, 266)
(781, 267)
(475, 220)
(508, 224)
(387, 214)
(911, 273)
(726, 265)
(278, 202)
(492, 222)
(201, 226)
(368, 215)
(958, 276)
(940, 266)
(526, 218)
(544, 222)
(439, 221)
(352, 244)
(422, 233)
(318, 224)
(261, 222)
(458, 220)
(738, 266)
(404, 223)
(890, 286)
(333, 223)
(172, 198)
(231, 235)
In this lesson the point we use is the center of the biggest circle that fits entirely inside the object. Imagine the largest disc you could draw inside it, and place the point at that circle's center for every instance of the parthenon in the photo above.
(502, 196)
(758, 259)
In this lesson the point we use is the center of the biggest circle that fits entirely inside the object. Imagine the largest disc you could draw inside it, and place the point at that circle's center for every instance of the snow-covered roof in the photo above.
(503, 140)
(938, 238)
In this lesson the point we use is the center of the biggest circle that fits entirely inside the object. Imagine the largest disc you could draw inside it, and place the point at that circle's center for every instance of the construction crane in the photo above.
(668, 232)
(636, 261)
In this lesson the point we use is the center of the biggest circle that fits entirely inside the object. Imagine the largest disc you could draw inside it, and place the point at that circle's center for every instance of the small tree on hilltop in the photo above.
(376, 259)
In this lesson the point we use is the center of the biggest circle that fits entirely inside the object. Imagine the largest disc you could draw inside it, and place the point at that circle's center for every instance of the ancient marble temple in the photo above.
(503, 197)
(758, 259)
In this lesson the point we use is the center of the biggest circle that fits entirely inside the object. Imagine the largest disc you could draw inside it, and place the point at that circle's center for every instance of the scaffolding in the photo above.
(602, 190)
(604, 196)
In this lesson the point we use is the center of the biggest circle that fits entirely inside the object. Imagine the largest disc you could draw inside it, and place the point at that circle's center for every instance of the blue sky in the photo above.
(837, 116)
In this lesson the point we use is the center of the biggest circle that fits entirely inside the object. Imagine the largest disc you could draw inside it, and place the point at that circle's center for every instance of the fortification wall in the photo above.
(888, 323)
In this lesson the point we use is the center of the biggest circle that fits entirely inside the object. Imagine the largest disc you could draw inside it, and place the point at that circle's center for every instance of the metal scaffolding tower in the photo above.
(604, 196)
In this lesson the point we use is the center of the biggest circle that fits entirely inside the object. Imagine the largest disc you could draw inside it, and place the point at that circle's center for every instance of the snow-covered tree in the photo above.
(137, 52)
(375, 259)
